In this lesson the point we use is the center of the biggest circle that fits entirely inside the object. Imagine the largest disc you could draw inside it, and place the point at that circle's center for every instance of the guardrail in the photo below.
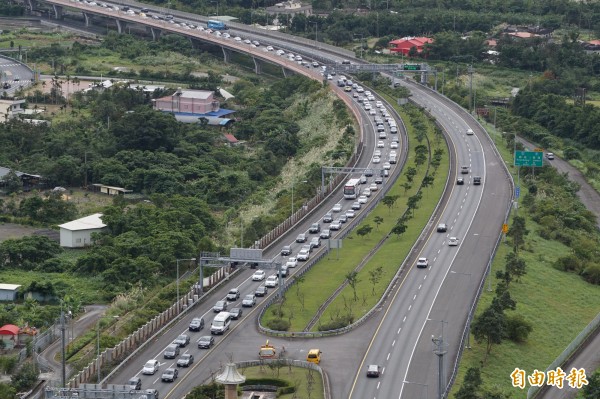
(572, 348)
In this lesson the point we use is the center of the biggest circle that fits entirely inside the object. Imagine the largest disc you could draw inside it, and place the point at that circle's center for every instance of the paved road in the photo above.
(78, 327)
(588, 357)
(13, 75)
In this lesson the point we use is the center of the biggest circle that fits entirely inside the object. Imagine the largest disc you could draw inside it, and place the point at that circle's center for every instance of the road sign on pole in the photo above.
(529, 158)
(517, 192)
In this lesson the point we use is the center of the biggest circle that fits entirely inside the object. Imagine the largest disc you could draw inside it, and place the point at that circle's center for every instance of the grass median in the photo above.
(311, 291)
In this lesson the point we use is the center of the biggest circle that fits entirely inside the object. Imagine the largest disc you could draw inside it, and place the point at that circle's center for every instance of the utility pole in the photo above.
(440, 352)
(62, 331)
(470, 71)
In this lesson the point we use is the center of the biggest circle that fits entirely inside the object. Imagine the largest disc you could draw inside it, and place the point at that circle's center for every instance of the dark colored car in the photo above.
(314, 228)
(170, 375)
(286, 250)
(206, 342)
(233, 294)
(220, 306)
(135, 383)
(185, 360)
(328, 218)
(442, 227)
(460, 181)
(196, 324)
(171, 352)
(261, 291)
(236, 313)
(477, 180)
(182, 340)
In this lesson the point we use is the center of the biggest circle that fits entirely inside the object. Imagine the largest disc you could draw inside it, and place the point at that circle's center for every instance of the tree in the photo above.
(352, 279)
(389, 201)
(410, 173)
(427, 181)
(517, 328)
(364, 230)
(12, 183)
(490, 327)
(378, 220)
(515, 266)
(399, 228)
(592, 390)
(375, 276)
(518, 232)
(471, 384)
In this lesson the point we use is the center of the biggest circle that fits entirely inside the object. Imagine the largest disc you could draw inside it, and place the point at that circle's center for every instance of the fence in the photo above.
(587, 332)
(135, 341)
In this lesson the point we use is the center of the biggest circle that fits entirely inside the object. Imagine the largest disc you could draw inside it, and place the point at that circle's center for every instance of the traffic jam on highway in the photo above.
(359, 189)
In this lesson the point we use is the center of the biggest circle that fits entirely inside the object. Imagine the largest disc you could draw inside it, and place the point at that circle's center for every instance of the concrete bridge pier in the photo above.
(57, 11)
(155, 32)
(30, 4)
(88, 18)
(287, 72)
(121, 26)
(257, 65)
(226, 55)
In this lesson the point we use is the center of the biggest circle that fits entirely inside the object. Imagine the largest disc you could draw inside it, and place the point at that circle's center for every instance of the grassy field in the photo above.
(303, 300)
(557, 304)
(296, 376)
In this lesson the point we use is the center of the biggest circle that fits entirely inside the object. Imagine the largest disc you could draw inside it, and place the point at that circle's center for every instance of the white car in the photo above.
(271, 281)
(452, 242)
(256, 43)
(368, 93)
(422, 263)
(350, 213)
(360, 89)
(363, 199)
(394, 144)
(378, 104)
(237, 39)
(382, 135)
(249, 301)
(292, 262)
(469, 132)
(258, 275)
(377, 153)
(380, 144)
(367, 192)
(280, 52)
(329, 77)
(337, 207)
(387, 166)
(393, 154)
(269, 48)
(226, 35)
(303, 255)
(335, 225)
(372, 111)
(374, 187)
(151, 367)
(247, 41)
(376, 159)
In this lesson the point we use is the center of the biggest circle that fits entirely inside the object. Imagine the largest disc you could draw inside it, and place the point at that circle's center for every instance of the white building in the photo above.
(78, 233)
(8, 292)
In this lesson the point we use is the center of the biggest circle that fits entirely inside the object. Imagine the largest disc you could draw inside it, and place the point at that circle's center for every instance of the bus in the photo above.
(218, 25)
(352, 188)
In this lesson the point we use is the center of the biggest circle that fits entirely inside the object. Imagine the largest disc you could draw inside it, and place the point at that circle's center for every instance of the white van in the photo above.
(220, 323)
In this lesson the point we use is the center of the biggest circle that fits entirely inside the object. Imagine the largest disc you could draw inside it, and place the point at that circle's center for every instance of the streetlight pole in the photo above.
(303, 181)
(177, 261)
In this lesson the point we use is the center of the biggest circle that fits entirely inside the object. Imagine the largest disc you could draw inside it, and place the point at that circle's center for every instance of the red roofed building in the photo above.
(231, 140)
(9, 334)
(406, 43)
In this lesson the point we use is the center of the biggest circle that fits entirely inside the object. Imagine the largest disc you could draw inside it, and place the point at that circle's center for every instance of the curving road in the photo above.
(430, 300)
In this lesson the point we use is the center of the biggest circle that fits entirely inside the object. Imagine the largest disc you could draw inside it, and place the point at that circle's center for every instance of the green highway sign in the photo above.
(529, 158)
(412, 67)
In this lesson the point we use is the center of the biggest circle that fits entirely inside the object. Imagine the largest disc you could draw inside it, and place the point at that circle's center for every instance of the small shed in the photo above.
(8, 292)
(110, 190)
(78, 233)
(9, 334)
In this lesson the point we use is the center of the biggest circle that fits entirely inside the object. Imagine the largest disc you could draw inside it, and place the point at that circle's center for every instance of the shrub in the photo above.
(517, 328)
(568, 263)
(278, 325)
(591, 274)
(335, 324)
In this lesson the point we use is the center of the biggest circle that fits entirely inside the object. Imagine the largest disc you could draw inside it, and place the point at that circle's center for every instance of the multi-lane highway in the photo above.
(13, 76)
(431, 301)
